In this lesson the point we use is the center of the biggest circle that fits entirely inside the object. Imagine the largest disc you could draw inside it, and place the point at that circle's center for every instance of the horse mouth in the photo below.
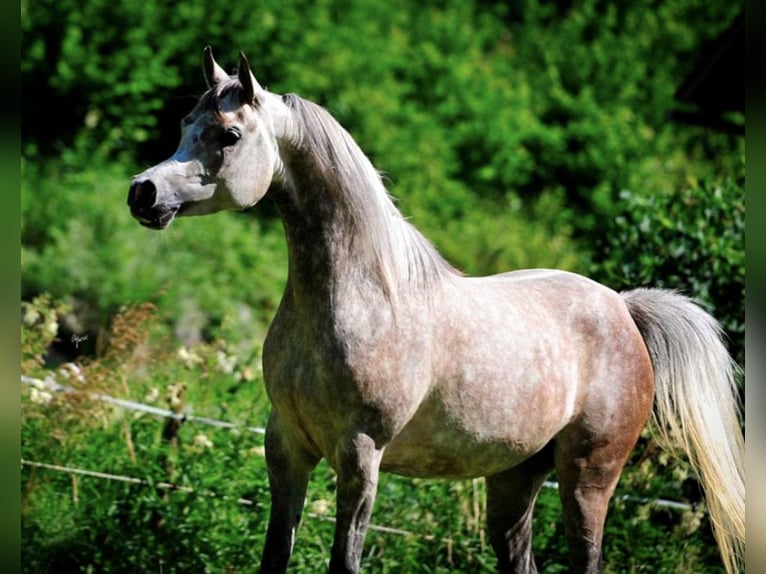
(158, 219)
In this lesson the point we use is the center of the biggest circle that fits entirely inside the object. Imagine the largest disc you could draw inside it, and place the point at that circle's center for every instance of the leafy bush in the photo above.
(604, 82)
(454, 100)
(78, 239)
(80, 243)
(692, 240)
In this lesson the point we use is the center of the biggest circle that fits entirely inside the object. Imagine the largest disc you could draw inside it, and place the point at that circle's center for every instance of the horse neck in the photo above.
(340, 224)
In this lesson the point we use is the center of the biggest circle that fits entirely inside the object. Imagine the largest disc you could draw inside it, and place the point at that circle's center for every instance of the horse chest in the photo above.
(325, 380)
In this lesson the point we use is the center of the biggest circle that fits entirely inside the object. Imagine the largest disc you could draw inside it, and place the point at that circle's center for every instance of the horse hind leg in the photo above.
(511, 498)
(588, 469)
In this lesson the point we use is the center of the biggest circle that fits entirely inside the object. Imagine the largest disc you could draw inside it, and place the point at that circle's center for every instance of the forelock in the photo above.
(211, 100)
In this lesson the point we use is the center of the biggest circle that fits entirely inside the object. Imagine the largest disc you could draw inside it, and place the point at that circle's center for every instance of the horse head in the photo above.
(227, 157)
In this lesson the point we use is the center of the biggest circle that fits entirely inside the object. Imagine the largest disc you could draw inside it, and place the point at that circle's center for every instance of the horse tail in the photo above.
(696, 404)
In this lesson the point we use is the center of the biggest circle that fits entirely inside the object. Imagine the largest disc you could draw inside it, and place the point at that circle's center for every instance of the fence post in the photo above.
(175, 400)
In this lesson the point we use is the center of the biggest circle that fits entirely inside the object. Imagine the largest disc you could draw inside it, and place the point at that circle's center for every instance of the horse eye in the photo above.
(230, 137)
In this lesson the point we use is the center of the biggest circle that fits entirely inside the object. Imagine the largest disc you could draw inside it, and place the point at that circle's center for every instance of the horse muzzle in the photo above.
(142, 199)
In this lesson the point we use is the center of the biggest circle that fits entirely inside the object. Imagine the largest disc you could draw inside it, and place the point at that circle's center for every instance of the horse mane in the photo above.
(398, 251)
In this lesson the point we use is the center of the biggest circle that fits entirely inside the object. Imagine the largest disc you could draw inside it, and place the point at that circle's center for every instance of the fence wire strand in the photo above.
(52, 385)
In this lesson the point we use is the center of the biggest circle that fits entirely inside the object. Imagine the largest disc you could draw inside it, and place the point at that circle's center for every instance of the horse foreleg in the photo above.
(357, 462)
(289, 469)
(511, 498)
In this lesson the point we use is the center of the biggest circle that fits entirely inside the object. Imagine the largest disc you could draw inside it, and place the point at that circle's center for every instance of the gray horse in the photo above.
(383, 357)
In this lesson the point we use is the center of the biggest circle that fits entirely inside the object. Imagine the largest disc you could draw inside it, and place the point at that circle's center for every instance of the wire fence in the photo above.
(50, 385)
(180, 488)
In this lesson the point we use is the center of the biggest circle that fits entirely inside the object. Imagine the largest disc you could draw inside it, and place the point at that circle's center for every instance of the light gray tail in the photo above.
(696, 405)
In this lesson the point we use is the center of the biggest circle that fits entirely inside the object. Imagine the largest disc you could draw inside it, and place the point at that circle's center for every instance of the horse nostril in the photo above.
(142, 194)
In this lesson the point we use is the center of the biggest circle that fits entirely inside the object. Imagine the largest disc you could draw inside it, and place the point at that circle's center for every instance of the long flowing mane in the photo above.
(399, 252)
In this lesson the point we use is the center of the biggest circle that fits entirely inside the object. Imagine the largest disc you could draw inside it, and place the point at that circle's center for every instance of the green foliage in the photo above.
(40, 325)
(80, 243)
(419, 123)
(606, 74)
(692, 240)
(446, 98)
(75, 67)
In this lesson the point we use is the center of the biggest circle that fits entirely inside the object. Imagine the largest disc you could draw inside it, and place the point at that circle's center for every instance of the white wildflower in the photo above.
(246, 374)
(38, 384)
(258, 451)
(49, 383)
(40, 397)
(680, 473)
(226, 363)
(152, 395)
(72, 371)
(52, 325)
(175, 396)
(691, 520)
(189, 358)
(320, 507)
(202, 441)
(31, 315)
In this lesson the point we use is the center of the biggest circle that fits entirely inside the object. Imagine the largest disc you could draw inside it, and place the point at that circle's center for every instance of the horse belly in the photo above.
(445, 456)
(473, 436)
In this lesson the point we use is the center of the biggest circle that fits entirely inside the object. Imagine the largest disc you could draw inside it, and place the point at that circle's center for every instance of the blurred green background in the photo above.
(513, 134)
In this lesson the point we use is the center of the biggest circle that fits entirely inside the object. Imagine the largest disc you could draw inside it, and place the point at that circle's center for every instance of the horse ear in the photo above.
(213, 72)
(250, 86)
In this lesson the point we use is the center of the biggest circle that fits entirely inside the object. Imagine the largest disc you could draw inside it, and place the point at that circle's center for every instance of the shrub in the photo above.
(522, 100)
(692, 241)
